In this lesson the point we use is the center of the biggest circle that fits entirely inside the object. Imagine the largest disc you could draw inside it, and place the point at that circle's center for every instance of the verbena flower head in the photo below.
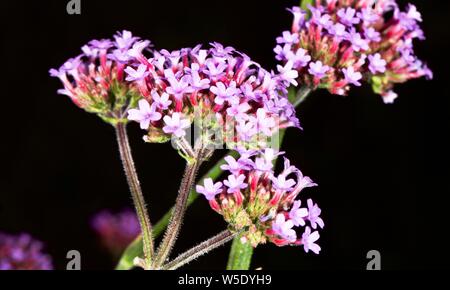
(95, 79)
(265, 205)
(22, 252)
(338, 43)
(219, 86)
(116, 230)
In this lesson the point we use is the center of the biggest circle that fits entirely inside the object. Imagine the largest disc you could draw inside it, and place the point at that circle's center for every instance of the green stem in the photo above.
(136, 192)
(240, 255)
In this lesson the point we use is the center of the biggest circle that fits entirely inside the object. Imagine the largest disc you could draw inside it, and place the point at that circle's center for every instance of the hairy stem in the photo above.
(301, 95)
(200, 250)
(136, 192)
(179, 209)
(126, 261)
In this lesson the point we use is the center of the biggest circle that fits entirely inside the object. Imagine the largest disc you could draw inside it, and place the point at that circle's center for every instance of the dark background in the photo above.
(382, 169)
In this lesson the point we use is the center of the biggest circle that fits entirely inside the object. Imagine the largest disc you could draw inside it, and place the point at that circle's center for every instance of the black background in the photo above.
(382, 169)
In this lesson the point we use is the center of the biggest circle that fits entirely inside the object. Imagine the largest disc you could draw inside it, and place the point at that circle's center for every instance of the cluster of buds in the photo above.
(22, 252)
(116, 230)
(338, 43)
(95, 81)
(217, 89)
(262, 205)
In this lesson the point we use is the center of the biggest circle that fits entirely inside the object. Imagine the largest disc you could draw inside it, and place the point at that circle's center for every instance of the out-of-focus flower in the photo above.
(244, 101)
(342, 42)
(116, 230)
(95, 80)
(22, 252)
(263, 205)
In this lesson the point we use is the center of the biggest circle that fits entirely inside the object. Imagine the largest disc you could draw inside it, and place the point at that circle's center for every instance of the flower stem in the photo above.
(301, 95)
(126, 261)
(240, 255)
(200, 250)
(136, 192)
(180, 208)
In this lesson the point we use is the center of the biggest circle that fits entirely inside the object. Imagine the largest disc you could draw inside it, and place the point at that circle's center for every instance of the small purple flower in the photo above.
(288, 74)
(265, 123)
(234, 183)
(138, 74)
(367, 15)
(313, 215)
(163, 102)
(297, 214)
(196, 81)
(308, 240)
(138, 47)
(261, 164)
(177, 88)
(246, 128)
(347, 16)
(317, 69)
(389, 97)
(238, 110)
(351, 76)
(288, 38)
(176, 125)
(301, 58)
(215, 70)
(372, 35)
(102, 44)
(220, 50)
(145, 114)
(283, 228)
(324, 21)
(210, 189)
(283, 52)
(304, 181)
(377, 64)
(412, 13)
(232, 165)
(358, 43)
(338, 30)
(124, 39)
(281, 183)
(299, 17)
(224, 93)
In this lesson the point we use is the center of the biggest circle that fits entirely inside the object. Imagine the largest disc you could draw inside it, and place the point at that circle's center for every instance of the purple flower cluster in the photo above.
(94, 80)
(338, 43)
(220, 82)
(253, 198)
(116, 230)
(22, 252)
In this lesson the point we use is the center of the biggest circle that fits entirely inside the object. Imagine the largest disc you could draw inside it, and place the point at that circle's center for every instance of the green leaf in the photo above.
(240, 255)
(135, 249)
(304, 3)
